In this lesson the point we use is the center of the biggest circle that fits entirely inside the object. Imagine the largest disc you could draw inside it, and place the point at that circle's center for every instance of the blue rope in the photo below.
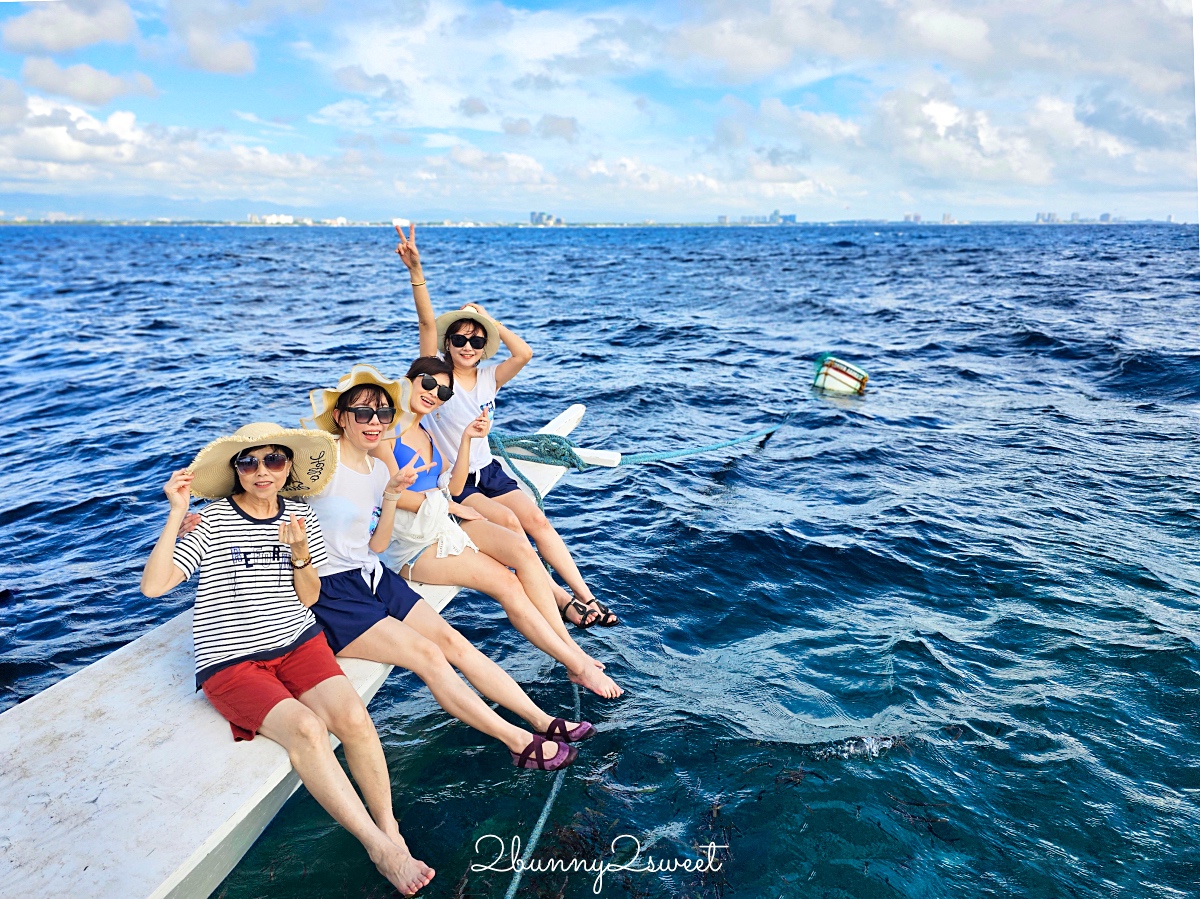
(550, 449)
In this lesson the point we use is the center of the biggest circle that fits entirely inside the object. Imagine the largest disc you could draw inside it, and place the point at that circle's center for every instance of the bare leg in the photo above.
(485, 675)
(515, 552)
(338, 705)
(500, 513)
(535, 523)
(480, 571)
(302, 733)
(395, 643)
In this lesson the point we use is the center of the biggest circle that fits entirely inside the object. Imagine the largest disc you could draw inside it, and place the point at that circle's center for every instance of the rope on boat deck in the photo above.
(551, 449)
(536, 833)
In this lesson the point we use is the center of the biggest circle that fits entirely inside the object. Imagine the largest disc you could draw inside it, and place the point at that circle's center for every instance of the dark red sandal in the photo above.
(557, 730)
(531, 756)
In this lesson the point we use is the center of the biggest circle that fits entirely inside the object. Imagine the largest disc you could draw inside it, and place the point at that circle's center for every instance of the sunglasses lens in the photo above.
(275, 461)
(364, 414)
(478, 343)
(444, 393)
(249, 464)
(428, 382)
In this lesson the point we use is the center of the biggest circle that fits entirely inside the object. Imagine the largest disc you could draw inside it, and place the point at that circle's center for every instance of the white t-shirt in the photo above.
(448, 423)
(349, 509)
(246, 603)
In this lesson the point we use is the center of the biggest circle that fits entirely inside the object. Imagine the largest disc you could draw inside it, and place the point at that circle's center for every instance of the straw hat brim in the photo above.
(446, 319)
(324, 399)
(314, 459)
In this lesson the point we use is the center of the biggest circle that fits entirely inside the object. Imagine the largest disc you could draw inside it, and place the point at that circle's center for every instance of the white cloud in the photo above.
(957, 36)
(82, 82)
(211, 30)
(209, 50)
(69, 25)
(13, 108)
(348, 114)
(472, 106)
(59, 144)
(565, 127)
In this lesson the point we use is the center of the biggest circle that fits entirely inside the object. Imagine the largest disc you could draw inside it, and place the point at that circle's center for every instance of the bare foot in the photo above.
(405, 873)
(596, 681)
(596, 662)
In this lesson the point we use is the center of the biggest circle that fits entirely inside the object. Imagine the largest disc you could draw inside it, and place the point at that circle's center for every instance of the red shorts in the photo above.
(246, 692)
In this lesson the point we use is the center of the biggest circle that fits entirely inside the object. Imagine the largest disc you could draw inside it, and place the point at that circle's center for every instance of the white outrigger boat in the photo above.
(121, 780)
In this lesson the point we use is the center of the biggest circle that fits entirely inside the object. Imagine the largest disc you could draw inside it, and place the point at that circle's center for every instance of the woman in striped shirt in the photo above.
(261, 657)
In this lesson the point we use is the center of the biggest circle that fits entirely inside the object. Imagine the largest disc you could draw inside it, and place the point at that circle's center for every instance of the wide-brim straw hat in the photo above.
(314, 459)
(446, 319)
(324, 399)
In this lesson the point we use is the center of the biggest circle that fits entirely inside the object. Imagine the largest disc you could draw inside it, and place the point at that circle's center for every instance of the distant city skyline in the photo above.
(472, 110)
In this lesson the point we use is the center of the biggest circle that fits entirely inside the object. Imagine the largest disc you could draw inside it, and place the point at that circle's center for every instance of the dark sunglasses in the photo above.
(249, 464)
(364, 414)
(461, 340)
(429, 382)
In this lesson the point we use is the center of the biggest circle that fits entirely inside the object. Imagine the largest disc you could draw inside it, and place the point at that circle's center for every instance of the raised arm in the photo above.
(426, 320)
(519, 351)
(160, 574)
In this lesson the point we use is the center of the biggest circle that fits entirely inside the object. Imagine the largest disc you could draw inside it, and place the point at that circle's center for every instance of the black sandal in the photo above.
(582, 610)
(608, 618)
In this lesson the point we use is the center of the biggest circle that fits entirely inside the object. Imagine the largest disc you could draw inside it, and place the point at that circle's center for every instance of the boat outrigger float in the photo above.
(122, 780)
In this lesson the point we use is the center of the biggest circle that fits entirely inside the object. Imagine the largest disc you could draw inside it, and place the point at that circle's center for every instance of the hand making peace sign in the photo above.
(407, 248)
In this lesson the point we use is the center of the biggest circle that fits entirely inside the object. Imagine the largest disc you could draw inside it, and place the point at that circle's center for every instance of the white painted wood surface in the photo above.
(121, 780)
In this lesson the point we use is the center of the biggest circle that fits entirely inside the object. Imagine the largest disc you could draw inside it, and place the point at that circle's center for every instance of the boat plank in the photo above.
(122, 780)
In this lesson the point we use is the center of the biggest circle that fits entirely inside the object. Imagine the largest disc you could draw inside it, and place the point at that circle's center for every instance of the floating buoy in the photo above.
(835, 376)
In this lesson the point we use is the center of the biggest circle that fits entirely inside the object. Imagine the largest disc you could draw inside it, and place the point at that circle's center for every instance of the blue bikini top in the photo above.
(426, 480)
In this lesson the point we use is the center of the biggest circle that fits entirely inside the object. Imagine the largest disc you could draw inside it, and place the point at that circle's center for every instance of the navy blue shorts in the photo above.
(348, 609)
(491, 481)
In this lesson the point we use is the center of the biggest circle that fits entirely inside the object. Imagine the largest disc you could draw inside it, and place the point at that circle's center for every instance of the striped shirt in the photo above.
(246, 604)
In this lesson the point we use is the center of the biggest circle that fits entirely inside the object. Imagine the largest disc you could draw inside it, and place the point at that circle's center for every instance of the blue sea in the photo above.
(938, 640)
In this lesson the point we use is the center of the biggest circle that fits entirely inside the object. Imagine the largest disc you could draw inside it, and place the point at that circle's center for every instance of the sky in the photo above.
(596, 111)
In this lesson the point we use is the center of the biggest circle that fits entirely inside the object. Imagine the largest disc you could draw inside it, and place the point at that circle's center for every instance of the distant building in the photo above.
(252, 219)
(544, 218)
(722, 220)
(1105, 218)
(1074, 218)
(913, 217)
(1047, 218)
(947, 219)
(1170, 219)
(788, 219)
